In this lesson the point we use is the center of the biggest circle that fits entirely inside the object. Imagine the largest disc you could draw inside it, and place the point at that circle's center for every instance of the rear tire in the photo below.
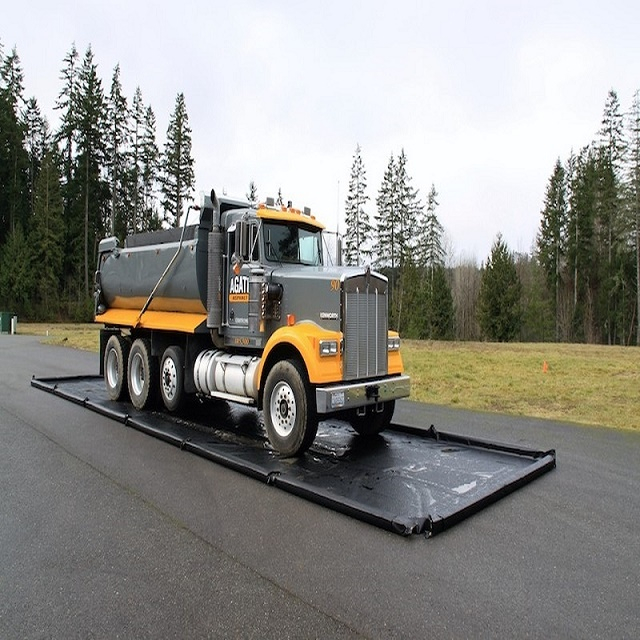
(142, 374)
(116, 355)
(289, 415)
(373, 422)
(172, 378)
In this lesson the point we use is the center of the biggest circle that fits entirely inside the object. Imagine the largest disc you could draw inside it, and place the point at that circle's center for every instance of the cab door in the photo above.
(241, 253)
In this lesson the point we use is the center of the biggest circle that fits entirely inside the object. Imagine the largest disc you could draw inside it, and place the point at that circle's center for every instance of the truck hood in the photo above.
(316, 293)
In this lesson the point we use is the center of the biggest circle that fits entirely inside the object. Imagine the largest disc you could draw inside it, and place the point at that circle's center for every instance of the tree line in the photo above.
(589, 241)
(101, 172)
(405, 241)
(578, 283)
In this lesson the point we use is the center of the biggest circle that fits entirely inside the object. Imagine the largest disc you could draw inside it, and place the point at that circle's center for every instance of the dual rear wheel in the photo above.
(133, 368)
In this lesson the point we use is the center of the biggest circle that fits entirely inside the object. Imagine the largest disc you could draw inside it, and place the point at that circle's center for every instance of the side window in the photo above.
(253, 243)
(308, 245)
(231, 246)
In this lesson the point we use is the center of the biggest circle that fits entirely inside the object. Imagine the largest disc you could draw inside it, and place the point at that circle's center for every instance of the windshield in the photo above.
(292, 243)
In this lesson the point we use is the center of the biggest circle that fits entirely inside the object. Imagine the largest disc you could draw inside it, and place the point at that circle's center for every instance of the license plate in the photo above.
(337, 399)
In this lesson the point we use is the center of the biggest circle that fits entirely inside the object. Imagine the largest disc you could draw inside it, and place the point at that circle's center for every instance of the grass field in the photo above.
(589, 384)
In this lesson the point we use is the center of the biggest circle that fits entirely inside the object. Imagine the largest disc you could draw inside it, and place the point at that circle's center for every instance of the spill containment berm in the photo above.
(409, 480)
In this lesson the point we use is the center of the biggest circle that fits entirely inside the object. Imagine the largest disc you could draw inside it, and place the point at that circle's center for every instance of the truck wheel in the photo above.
(172, 378)
(289, 416)
(115, 367)
(372, 422)
(142, 374)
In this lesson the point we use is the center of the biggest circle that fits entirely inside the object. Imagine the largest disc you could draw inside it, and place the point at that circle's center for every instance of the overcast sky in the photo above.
(482, 96)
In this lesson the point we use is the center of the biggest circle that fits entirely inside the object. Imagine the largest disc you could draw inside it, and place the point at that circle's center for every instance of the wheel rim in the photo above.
(282, 409)
(169, 378)
(137, 375)
(112, 369)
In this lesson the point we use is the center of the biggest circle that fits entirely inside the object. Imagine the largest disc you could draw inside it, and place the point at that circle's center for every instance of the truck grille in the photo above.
(365, 327)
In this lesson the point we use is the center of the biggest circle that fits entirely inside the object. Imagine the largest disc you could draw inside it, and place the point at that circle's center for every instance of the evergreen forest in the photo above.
(579, 282)
(100, 173)
(103, 172)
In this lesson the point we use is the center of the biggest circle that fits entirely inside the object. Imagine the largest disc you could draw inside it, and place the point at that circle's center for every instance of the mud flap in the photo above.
(409, 480)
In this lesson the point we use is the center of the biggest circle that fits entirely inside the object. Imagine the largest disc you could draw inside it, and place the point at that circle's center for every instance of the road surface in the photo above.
(106, 532)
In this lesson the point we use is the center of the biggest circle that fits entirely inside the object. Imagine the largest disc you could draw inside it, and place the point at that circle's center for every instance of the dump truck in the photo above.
(244, 306)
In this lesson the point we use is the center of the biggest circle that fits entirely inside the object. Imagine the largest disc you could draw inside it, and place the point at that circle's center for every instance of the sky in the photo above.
(483, 96)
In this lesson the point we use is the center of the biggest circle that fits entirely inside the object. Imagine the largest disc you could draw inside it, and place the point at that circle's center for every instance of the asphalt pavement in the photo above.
(106, 532)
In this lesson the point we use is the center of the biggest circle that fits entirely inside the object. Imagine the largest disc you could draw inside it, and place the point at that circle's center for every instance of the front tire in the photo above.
(116, 355)
(172, 378)
(372, 422)
(289, 416)
(142, 374)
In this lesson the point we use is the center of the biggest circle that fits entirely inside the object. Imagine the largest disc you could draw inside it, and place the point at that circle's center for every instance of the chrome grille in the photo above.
(365, 327)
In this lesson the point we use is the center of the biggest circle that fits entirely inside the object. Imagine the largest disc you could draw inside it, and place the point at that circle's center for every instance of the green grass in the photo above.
(588, 384)
(77, 336)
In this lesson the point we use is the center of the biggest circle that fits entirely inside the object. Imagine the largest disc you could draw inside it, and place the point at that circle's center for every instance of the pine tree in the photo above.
(499, 312)
(47, 236)
(14, 196)
(431, 296)
(67, 102)
(358, 226)
(399, 209)
(150, 167)
(430, 250)
(612, 132)
(142, 167)
(118, 169)
(66, 138)
(36, 140)
(387, 240)
(386, 219)
(137, 124)
(552, 239)
(17, 277)
(409, 210)
(633, 181)
(583, 259)
(177, 178)
(441, 312)
(610, 215)
(431, 315)
(91, 127)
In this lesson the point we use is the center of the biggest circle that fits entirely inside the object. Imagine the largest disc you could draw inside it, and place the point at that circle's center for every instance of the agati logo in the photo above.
(239, 289)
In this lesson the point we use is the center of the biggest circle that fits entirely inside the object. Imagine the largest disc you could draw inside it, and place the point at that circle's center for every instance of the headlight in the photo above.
(328, 347)
(393, 344)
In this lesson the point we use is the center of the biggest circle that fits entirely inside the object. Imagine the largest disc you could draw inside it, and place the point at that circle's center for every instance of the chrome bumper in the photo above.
(361, 394)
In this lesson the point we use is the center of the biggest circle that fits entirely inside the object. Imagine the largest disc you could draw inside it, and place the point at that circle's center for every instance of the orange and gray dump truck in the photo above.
(242, 307)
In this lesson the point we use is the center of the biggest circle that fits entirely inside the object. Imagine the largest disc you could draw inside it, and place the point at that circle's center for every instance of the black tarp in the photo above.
(408, 479)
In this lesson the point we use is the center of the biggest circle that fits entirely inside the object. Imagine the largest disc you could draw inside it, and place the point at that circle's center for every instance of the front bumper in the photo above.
(361, 394)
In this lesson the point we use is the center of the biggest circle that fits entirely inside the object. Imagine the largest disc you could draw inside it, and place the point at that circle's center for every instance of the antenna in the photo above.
(338, 210)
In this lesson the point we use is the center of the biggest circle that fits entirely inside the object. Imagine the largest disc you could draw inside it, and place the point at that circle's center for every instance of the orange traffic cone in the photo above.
(545, 367)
